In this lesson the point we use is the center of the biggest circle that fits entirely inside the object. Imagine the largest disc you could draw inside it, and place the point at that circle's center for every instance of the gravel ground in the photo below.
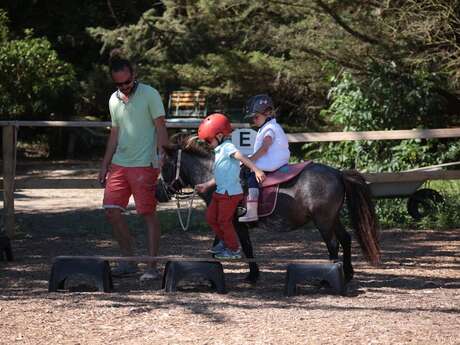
(412, 298)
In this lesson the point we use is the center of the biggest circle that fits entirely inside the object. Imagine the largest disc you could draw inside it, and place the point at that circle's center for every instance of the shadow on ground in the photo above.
(41, 237)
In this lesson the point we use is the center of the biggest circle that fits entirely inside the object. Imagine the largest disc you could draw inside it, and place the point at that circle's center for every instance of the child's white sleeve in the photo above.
(270, 133)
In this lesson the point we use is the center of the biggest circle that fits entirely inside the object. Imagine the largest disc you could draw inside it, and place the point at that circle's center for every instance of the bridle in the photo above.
(175, 186)
(174, 189)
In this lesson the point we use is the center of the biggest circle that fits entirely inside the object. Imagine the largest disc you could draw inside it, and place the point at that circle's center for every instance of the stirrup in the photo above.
(241, 211)
(247, 219)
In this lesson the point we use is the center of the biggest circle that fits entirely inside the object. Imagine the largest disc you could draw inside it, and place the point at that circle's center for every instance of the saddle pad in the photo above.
(267, 200)
(268, 194)
(285, 173)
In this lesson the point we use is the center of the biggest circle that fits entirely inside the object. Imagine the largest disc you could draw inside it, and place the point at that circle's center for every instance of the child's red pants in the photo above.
(219, 216)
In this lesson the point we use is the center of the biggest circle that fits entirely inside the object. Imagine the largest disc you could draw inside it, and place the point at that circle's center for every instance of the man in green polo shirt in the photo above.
(132, 160)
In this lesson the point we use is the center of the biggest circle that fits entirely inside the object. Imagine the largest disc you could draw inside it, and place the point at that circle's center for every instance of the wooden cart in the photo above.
(421, 201)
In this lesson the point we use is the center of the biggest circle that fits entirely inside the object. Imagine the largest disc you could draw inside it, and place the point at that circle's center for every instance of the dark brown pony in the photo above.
(317, 193)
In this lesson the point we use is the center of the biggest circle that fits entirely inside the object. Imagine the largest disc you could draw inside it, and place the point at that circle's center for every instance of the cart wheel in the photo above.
(423, 202)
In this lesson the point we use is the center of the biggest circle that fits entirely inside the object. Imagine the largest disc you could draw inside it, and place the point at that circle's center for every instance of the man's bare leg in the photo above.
(120, 231)
(153, 236)
(125, 241)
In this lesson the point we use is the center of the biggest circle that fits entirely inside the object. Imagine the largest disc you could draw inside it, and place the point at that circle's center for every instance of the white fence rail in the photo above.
(10, 129)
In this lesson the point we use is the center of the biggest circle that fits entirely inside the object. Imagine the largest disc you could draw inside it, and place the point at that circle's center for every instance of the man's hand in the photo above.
(161, 159)
(162, 138)
(110, 149)
(102, 175)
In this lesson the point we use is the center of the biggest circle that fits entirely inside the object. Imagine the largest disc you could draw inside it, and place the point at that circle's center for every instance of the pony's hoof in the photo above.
(251, 278)
(348, 276)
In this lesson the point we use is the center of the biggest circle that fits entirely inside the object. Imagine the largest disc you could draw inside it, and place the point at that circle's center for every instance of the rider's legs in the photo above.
(252, 200)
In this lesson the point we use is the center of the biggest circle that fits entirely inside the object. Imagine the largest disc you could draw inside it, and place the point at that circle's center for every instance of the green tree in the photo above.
(214, 46)
(3, 27)
(386, 99)
(64, 24)
(35, 82)
(290, 49)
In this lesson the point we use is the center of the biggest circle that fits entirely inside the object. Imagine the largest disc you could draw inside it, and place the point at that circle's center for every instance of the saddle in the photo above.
(268, 191)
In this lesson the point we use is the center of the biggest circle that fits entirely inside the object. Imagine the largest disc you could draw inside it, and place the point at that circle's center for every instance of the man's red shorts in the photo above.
(140, 182)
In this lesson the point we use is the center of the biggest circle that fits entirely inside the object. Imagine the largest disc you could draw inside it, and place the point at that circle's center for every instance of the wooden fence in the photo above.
(10, 183)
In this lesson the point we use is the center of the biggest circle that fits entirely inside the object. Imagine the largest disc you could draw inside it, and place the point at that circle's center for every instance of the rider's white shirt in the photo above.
(278, 153)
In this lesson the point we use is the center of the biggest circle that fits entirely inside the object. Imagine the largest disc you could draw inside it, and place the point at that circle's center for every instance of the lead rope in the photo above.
(189, 212)
(178, 197)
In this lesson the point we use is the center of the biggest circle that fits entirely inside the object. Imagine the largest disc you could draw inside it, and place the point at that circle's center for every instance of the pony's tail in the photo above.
(362, 213)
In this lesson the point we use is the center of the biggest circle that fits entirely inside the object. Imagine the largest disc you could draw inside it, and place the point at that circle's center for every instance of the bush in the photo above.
(386, 99)
(392, 213)
(35, 82)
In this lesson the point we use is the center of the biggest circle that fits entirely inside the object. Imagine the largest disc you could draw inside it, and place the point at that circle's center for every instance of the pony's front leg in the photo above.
(246, 245)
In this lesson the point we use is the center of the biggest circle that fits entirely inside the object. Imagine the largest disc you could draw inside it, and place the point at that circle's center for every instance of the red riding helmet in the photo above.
(213, 125)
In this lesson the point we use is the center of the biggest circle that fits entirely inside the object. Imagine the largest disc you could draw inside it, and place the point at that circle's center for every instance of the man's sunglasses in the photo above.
(125, 83)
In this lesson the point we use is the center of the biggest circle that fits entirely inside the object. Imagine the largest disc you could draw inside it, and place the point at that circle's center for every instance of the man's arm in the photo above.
(266, 143)
(162, 133)
(112, 143)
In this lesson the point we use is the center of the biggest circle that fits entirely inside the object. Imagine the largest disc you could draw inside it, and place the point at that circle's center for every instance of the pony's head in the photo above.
(182, 146)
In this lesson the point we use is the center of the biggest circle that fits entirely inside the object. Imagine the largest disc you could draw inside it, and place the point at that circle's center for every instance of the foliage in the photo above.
(426, 33)
(3, 26)
(386, 99)
(290, 51)
(34, 81)
(396, 63)
(216, 47)
(95, 90)
(232, 50)
(64, 26)
(392, 213)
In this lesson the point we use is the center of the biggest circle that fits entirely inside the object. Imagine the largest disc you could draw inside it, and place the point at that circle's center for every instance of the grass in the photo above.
(93, 224)
(392, 213)
(169, 221)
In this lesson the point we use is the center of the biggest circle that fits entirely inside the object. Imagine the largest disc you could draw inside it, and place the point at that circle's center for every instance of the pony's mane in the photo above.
(189, 143)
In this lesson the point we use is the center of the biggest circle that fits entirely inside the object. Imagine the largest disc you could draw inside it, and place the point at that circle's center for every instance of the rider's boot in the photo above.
(251, 206)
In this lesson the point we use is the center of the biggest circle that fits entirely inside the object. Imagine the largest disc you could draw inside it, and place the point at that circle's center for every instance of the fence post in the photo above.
(9, 170)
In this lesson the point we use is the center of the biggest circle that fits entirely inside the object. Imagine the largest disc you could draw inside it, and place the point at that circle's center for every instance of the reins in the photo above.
(189, 212)
(179, 194)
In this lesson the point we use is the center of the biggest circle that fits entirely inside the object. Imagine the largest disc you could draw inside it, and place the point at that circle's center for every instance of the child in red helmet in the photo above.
(215, 130)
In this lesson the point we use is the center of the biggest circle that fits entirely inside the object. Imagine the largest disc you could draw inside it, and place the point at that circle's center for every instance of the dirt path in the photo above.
(413, 298)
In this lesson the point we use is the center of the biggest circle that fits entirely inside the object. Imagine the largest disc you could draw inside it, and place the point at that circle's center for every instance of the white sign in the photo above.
(244, 139)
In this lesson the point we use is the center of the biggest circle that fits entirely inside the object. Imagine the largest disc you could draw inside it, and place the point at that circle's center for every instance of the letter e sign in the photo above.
(243, 139)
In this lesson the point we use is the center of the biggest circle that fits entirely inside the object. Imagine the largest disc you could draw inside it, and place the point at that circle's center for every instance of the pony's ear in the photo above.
(169, 149)
(191, 141)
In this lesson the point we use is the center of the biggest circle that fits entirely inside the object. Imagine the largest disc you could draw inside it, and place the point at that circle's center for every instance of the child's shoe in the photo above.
(228, 254)
(124, 268)
(150, 274)
(219, 247)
